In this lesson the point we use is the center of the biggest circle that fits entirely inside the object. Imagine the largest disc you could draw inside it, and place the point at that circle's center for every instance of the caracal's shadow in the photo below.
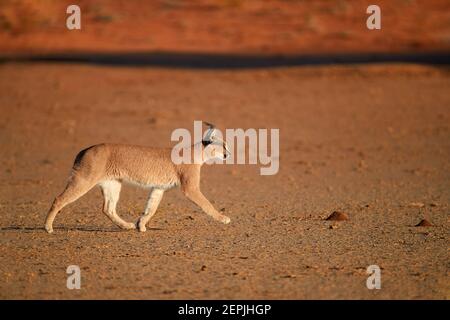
(30, 229)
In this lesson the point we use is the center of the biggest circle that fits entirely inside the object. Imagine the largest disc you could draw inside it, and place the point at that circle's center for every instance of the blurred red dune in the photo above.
(223, 26)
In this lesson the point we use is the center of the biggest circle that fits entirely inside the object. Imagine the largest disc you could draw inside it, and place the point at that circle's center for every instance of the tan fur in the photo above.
(109, 165)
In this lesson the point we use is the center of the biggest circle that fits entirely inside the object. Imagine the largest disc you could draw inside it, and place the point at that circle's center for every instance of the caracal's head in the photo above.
(214, 147)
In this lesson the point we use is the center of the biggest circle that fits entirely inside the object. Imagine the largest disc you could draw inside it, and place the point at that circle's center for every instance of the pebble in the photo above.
(417, 204)
(424, 223)
(337, 216)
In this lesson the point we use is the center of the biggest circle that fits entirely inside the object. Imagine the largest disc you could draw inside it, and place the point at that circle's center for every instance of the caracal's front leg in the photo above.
(152, 204)
(196, 196)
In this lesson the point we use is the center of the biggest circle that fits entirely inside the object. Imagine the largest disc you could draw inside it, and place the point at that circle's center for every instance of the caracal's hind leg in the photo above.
(76, 187)
(111, 191)
(152, 204)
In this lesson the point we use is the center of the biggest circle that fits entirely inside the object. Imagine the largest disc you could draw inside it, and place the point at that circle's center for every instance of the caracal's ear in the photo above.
(210, 134)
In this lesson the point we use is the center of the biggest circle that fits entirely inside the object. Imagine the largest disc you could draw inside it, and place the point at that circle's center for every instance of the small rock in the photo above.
(258, 215)
(337, 216)
(287, 276)
(424, 223)
(434, 204)
(333, 226)
(417, 204)
(46, 161)
(152, 120)
(362, 164)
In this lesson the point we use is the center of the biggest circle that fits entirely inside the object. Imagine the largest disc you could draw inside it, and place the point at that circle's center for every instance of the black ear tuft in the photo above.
(206, 143)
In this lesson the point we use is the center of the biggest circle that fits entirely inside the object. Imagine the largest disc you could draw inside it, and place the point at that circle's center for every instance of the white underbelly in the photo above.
(151, 185)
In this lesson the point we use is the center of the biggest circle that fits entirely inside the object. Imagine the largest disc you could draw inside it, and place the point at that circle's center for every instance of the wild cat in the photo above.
(109, 165)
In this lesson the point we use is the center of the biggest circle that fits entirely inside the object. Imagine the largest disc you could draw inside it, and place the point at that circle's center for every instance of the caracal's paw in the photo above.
(49, 229)
(129, 226)
(141, 226)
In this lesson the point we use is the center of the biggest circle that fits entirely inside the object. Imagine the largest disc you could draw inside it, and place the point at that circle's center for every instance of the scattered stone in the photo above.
(424, 223)
(203, 268)
(258, 215)
(337, 216)
(333, 226)
(168, 291)
(434, 204)
(362, 164)
(417, 204)
(287, 276)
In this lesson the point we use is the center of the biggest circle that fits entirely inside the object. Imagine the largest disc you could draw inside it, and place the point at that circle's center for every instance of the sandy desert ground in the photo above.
(372, 141)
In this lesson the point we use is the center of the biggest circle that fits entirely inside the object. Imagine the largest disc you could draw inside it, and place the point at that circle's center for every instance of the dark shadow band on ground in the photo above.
(30, 229)
(228, 61)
